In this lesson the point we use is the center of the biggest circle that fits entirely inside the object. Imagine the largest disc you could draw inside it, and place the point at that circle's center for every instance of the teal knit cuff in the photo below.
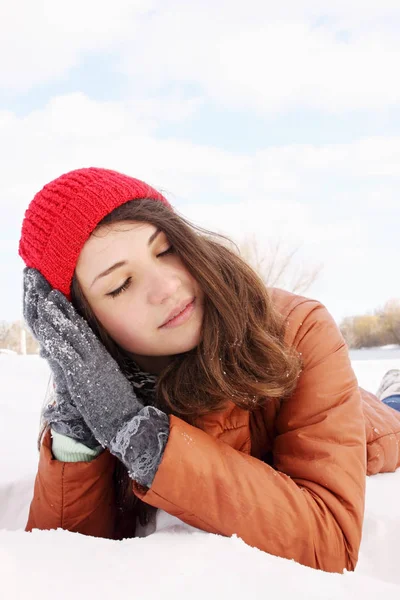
(65, 449)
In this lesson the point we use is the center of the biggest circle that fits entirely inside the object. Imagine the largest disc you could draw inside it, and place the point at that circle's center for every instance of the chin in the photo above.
(184, 350)
(184, 347)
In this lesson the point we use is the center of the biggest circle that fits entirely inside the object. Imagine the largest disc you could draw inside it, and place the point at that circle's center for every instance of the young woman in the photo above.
(181, 383)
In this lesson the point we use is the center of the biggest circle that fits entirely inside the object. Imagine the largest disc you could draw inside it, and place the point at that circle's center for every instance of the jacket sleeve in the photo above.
(76, 496)
(310, 506)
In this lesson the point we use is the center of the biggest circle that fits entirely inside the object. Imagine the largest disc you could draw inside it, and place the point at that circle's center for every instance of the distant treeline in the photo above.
(377, 329)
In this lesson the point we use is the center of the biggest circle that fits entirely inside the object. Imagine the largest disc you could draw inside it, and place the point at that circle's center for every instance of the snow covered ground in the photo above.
(176, 561)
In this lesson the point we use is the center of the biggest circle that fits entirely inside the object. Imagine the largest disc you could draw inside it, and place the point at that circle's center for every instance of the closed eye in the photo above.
(169, 250)
(121, 289)
(128, 281)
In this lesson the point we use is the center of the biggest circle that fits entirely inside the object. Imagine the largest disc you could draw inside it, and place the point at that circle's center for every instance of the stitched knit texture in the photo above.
(66, 449)
(66, 421)
(61, 217)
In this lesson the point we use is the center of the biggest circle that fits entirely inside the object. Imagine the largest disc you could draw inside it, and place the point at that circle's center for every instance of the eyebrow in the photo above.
(122, 263)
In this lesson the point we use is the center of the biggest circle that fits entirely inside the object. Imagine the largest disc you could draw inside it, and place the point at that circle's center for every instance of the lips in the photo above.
(177, 310)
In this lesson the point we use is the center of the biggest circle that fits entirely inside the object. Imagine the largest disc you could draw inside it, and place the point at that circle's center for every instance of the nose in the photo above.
(162, 285)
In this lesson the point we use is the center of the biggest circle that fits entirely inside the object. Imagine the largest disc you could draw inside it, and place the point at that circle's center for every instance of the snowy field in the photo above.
(176, 561)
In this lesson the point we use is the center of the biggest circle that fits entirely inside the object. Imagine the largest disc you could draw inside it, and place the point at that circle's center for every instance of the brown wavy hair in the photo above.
(242, 356)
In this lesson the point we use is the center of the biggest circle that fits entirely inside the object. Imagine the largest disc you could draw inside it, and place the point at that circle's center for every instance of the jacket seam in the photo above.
(185, 511)
(383, 436)
(297, 342)
(305, 301)
(315, 306)
(317, 509)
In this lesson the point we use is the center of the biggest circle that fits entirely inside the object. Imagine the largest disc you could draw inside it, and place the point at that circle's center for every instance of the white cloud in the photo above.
(78, 128)
(73, 130)
(264, 56)
(42, 40)
(269, 65)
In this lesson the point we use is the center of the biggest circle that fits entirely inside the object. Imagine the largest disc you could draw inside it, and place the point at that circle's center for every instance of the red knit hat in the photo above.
(61, 217)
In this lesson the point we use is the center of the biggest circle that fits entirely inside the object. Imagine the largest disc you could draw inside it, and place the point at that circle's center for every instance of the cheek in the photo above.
(127, 327)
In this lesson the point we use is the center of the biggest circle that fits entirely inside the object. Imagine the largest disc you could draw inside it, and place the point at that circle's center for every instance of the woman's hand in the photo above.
(60, 412)
(137, 435)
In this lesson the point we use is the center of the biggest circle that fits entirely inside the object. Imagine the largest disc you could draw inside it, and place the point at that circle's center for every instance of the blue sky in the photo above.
(280, 122)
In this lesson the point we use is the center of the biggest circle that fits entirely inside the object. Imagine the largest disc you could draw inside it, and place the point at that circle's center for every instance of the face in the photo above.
(141, 292)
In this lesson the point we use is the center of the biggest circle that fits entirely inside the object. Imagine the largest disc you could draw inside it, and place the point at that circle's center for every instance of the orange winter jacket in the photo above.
(288, 478)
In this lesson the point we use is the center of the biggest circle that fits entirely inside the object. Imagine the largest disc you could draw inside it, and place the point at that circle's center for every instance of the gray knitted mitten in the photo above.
(135, 434)
(59, 412)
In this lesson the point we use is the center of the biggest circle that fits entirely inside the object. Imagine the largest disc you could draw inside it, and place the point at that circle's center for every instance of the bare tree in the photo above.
(15, 336)
(278, 266)
(3, 332)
